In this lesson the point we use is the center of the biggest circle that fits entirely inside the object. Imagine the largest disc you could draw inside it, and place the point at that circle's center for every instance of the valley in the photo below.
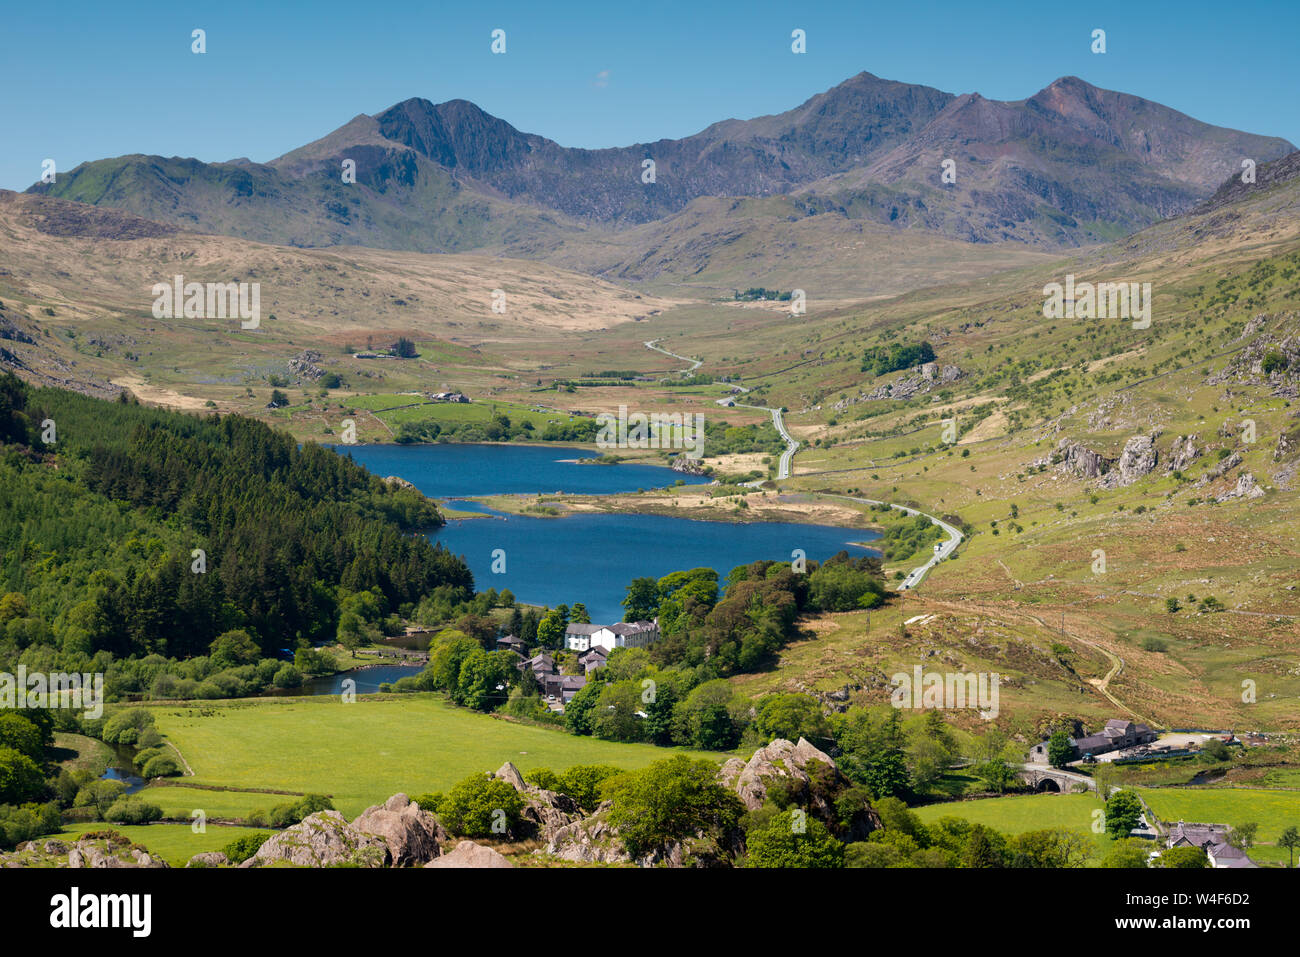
(523, 511)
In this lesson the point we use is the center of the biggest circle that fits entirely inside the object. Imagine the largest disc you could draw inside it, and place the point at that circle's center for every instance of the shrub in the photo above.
(131, 809)
(544, 778)
(21, 779)
(481, 806)
(161, 766)
(292, 812)
(669, 801)
(242, 848)
(583, 783)
(428, 802)
(125, 727)
(99, 796)
(792, 839)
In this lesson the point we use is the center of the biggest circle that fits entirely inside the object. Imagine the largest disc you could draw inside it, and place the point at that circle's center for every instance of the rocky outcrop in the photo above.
(780, 760)
(101, 849)
(591, 840)
(1183, 453)
(209, 859)
(1220, 470)
(13, 332)
(807, 776)
(923, 380)
(323, 839)
(1270, 360)
(545, 813)
(469, 854)
(413, 835)
(1288, 442)
(1077, 460)
(1246, 487)
(510, 774)
(304, 365)
(1138, 459)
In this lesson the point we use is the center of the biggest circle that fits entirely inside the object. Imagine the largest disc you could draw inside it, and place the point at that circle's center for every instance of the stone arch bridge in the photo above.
(1041, 777)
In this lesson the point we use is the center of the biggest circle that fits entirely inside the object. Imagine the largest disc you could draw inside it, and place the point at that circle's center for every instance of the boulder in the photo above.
(469, 854)
(780, 760)
(413, 835)
(1220, 470)
(1138, 459)
(208, 859)
(323, 839)
(1077, 460)
(1246, 487)
(1183, 453)
(510, 774)
(545, 812)
(591, 840)
(111, 853)
(808, 774)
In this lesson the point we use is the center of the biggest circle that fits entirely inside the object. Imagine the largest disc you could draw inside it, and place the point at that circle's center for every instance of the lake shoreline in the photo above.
(568, 505)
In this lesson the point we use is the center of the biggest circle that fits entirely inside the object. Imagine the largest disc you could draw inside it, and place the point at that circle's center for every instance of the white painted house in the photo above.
(625, 634)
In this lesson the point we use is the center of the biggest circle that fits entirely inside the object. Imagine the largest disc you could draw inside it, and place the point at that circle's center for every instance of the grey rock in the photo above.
(413, 835)
(469, 854)
(323, 839)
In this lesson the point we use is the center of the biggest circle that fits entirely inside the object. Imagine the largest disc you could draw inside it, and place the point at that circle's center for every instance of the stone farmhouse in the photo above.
(1116, 736)
(1211, 838)
(555, 686)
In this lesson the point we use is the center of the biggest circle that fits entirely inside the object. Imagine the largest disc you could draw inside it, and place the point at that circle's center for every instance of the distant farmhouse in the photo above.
(595, 658)
(448, 397)
(513, 643)
(1213, 840)
(1116, 736)
(625, 634)
(555, 686)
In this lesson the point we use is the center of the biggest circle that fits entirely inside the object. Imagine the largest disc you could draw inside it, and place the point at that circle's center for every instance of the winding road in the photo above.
(786, 462)
(786, 465)
(941, 550)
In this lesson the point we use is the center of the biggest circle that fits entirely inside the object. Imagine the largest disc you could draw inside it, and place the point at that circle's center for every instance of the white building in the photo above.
(625, 634)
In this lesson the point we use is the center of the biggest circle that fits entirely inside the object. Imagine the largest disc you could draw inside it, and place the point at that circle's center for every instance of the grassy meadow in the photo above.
(360, 754)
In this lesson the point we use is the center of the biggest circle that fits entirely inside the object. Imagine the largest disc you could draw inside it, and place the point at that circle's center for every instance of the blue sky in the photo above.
(87, 80)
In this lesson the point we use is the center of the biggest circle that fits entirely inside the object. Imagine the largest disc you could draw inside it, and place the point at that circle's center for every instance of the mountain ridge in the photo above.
(1071, 165)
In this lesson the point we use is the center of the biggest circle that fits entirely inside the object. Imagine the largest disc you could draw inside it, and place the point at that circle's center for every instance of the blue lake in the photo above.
(588, 558)
(450, 470)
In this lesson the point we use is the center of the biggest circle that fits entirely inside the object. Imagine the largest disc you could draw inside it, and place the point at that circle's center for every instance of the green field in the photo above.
(1272, 810)
(404, 408)
(1016, 814)
(363, 753)
(174, 843)
(179, 802)
(76, 751)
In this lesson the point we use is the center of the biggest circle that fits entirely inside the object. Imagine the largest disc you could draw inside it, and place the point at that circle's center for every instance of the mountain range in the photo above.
(1072, 165)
